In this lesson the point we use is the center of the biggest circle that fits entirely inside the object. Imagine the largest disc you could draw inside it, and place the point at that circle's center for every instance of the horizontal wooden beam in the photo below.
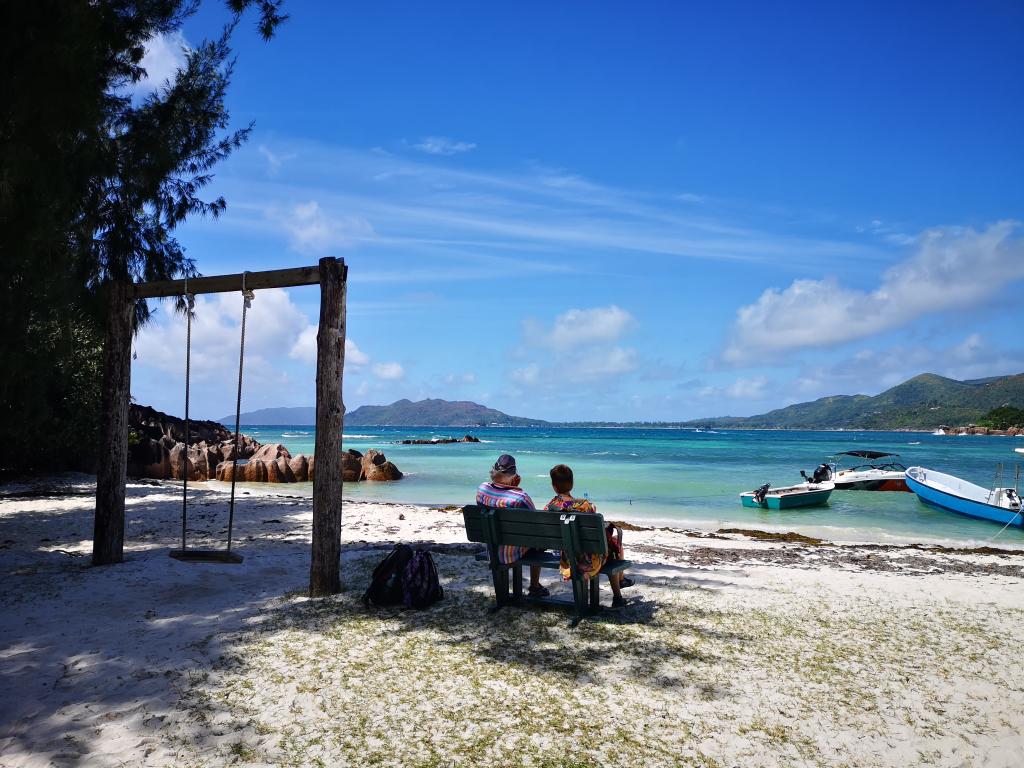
(273, 278)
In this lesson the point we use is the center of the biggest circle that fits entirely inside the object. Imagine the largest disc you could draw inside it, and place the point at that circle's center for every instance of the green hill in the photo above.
(924, 402)
(434, 413)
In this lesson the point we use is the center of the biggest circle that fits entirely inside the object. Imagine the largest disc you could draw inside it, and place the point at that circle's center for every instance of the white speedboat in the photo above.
(874, 475)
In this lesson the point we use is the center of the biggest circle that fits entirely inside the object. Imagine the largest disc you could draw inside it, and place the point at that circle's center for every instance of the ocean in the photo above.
(685, 478)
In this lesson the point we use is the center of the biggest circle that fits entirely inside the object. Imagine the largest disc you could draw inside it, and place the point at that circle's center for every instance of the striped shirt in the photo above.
(494, 495)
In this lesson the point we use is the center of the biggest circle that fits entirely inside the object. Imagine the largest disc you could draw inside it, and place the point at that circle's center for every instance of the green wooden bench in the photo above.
(574, 533)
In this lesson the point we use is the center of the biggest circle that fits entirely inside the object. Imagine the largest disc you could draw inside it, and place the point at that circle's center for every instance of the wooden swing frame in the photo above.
(331, 275)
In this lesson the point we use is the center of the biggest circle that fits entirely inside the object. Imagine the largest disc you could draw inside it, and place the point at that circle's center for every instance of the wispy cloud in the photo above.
(464, 216)
(313, 230)
(442, 145)
(953, 268)
(274, 160)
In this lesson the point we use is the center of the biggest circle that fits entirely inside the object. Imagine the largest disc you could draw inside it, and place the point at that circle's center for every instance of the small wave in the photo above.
(486, 441)
(295, 434)
(918, 442)
(359, 437)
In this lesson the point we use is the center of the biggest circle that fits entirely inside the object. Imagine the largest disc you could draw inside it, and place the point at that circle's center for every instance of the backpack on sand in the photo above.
(386, 583)
(420, 585)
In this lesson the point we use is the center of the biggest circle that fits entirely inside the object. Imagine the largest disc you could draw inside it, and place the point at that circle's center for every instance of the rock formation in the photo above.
(441, 440)
(157, 449)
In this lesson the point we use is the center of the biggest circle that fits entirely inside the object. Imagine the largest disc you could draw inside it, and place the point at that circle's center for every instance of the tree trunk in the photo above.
(324, 572)
(111, 475)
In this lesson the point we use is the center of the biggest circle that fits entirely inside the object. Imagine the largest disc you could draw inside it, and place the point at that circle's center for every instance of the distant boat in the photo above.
(803, 495)
(949, 493)
(875, 475)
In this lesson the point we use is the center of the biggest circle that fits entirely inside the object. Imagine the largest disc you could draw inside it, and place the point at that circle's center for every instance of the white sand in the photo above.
(731, 652)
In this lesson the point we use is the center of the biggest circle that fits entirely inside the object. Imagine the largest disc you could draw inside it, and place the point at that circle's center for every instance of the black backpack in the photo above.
(420, 585)
(386, 583)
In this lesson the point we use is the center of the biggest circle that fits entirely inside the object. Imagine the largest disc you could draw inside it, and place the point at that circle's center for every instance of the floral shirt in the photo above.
(589, 565)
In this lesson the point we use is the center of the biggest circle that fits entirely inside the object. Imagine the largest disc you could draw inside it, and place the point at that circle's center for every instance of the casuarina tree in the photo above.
(94, 179)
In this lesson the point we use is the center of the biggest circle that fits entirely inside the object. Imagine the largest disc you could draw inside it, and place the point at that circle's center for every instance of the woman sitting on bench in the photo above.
(589, 565)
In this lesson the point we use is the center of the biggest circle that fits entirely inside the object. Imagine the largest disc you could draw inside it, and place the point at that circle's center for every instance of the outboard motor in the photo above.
(761, 492)
(822, 473)
(1013, 498)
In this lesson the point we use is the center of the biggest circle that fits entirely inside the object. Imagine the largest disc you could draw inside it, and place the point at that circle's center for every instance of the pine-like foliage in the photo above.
(93, 182)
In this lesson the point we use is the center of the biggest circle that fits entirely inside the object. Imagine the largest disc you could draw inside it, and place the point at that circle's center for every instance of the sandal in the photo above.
(539, 591)
(626, 582)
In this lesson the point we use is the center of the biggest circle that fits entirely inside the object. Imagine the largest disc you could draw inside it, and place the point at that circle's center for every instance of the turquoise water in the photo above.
(686, 478)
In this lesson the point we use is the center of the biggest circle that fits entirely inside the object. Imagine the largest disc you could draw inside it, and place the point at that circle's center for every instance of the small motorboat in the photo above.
(875, 475)
(803, 495)
(949, 493)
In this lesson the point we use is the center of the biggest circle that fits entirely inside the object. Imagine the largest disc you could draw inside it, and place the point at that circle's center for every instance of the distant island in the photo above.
(924, 402)
(402, 413)
(436, 413)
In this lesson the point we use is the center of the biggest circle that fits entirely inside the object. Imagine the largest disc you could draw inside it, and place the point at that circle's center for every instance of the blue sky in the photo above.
(616, 211)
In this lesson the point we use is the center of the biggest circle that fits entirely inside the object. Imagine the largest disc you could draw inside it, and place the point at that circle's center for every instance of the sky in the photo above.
(613, 211)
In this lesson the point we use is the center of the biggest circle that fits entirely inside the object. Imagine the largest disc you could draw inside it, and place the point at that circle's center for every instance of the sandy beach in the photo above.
(731, 650)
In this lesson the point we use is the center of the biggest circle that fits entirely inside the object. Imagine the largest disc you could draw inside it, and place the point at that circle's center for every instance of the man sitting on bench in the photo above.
(503, 491)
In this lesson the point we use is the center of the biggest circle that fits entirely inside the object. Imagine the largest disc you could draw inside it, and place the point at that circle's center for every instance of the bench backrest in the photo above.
(581, 532)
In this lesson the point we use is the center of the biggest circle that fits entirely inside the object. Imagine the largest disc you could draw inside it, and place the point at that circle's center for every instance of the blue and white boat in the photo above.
(937, 489)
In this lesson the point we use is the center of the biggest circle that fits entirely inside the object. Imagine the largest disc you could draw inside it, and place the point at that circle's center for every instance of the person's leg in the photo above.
(534, 575)
(615, 579)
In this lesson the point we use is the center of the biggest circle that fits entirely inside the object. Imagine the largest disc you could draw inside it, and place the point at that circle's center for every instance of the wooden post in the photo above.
(108, 531)
(325, 566)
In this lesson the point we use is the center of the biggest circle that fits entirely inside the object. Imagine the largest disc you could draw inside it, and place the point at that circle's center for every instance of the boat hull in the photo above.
(948, 501)
(788, 500)
(894, 484)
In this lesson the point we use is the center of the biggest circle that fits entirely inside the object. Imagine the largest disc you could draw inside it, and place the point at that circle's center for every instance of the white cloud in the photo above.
(581, 344)
(690, 197)
(529, 374)
(952, 269)
(442, 145)
(164, 56)
(460, 378)
(304, 349)
(578, 327)
(273, 324)
(609, 362)
(354, 355)
(311, 230)
(748, 389)
(388, 371)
